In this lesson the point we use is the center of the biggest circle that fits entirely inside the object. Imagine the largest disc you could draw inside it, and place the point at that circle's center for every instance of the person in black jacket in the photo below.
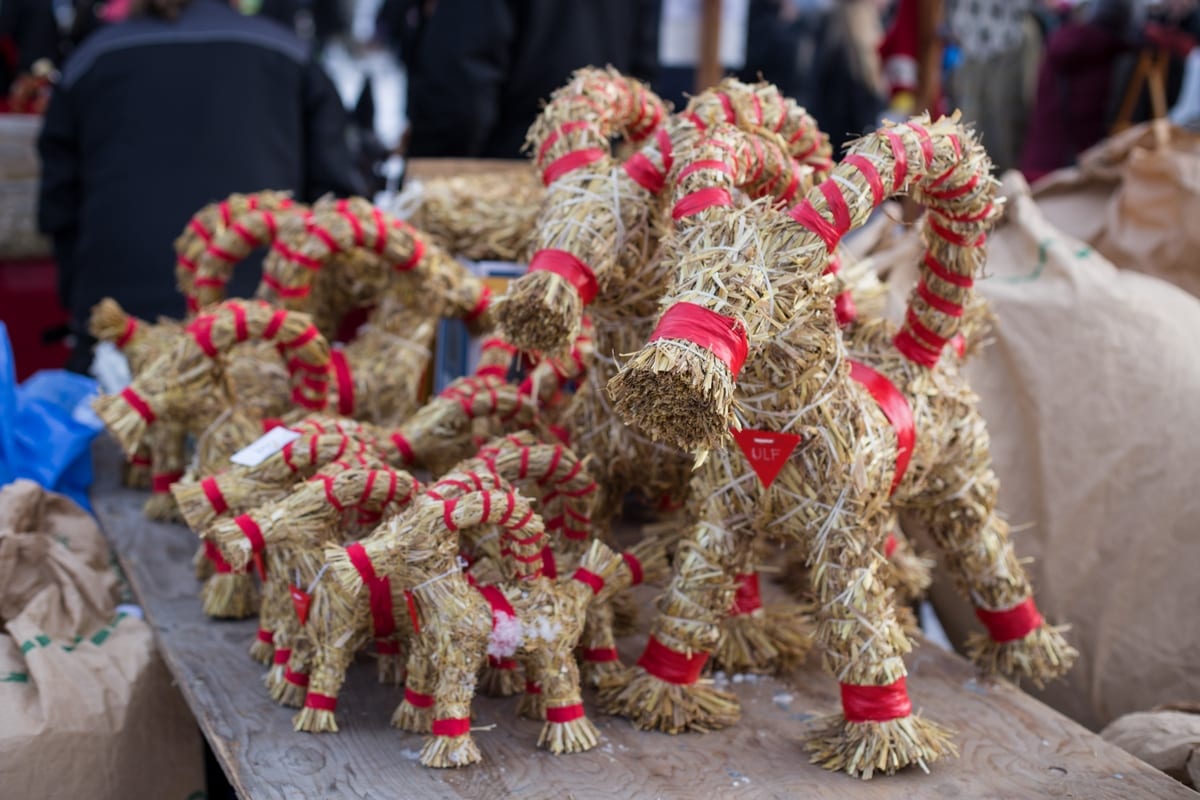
(157, 116)
(481, 68)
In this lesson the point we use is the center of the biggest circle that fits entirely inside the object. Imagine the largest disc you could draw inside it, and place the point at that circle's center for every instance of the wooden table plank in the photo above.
(1012, 745)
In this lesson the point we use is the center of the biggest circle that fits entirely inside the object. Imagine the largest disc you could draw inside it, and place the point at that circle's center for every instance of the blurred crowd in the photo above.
(472, 72)
(156, 107)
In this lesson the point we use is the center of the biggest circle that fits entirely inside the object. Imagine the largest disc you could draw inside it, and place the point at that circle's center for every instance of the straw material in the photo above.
(441, 432)
(908, 573)
(214, 230)
(865, 748)
(294, 530)
(480, 217)
(585, 208)
(170, 387)
(598, 641)
(417, 550)
(138, 340)
(348, 254)
(168, 458)
(229, 595)
(769, 277)
(254, 380)
(757, 638)
(386, 364)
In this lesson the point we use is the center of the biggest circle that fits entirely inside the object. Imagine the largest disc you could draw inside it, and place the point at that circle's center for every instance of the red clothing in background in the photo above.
(1073, 93)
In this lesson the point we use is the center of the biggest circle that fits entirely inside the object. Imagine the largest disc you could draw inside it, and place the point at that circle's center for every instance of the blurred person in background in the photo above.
(849, 72)
(988, 84)
(478, 70)
(825, 56)
(1075, 85)
(154, 117)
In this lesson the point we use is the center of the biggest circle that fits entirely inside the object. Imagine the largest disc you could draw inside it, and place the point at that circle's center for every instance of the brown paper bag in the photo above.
(1135, 199)
(90, 711)
(1090, 390)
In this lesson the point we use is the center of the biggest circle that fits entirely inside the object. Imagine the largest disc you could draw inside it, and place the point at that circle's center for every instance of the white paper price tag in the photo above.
(264, 447)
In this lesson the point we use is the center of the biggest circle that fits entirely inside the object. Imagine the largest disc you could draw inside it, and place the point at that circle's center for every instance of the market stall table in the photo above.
(1011, 745)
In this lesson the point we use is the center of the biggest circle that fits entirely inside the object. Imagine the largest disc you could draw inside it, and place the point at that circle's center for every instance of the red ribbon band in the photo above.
(722, 336)
(295, 678)
(320, 702)
(131, 326)
(252, 532)
(564, 713)
(212, 491)
(643, 172)
(1012, 624)
(379, 590)
(572, 161)
(139, 405)
(635, 568)
(568, 266)
(454, 726)
(345, 383)
(748, 597)
(670, 665)
(701, 200)
(590, 578)
(416, 699)
(875, 703)
(895, 408)
(160, 482)
(600, 655)
(213, 554)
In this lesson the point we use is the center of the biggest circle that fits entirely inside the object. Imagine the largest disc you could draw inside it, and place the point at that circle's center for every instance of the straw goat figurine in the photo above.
(750, 342)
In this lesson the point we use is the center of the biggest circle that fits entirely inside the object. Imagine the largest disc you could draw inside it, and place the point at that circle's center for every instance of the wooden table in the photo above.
(1012, 746)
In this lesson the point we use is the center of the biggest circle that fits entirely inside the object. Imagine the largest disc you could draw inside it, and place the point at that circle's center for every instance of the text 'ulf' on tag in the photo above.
(301, 600)
(767, 451)
(264, 447)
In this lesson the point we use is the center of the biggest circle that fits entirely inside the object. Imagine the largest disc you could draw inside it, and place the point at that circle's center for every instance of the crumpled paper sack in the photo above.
(1089, 388)
(1167, 739)
(89, 708)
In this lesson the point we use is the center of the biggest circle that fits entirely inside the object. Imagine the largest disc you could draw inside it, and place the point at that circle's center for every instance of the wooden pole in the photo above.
(709, 68)
(929, 55)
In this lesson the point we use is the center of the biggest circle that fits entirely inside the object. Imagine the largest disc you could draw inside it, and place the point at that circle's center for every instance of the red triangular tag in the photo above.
(767, 451)
(301, 600)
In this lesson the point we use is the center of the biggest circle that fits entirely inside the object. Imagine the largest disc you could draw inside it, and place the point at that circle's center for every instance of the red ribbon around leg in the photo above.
(417, 699)
(320, 702)
(600, 655)
(1011, 624)
(875, 703)
(454, 726)
(565, 713)
(748, 598)
(670, 665)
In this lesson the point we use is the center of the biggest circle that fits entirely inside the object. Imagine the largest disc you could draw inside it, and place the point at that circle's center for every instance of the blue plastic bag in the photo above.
(46, 427)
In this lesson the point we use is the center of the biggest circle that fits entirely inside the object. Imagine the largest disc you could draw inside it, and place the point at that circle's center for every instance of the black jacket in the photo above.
(152, 120)
(481, 68)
